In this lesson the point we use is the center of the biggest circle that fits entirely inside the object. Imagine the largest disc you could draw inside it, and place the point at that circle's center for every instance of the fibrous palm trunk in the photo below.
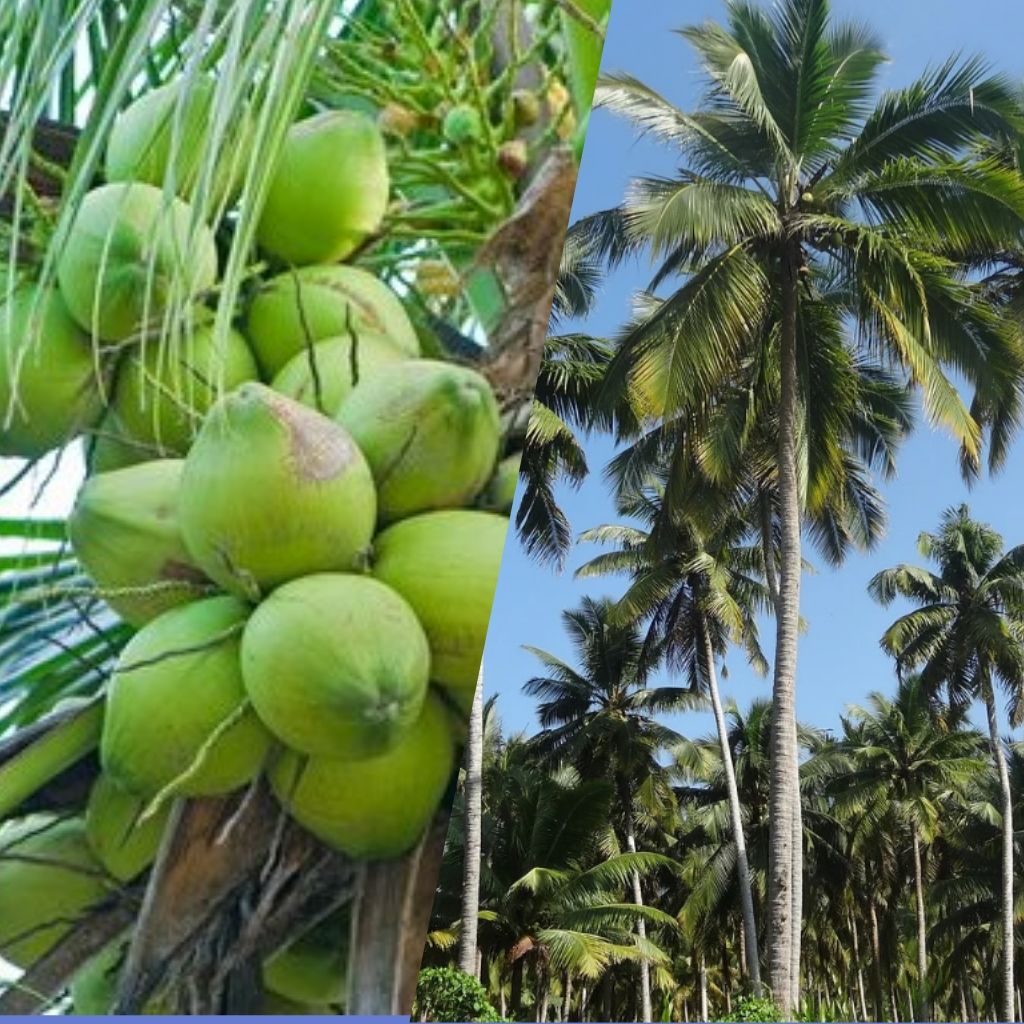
(855, 933)
(1006, 895)
(783, 781)
(922, 931)
(638, 899)
(752, 963)
(473, 802)
(703, 990)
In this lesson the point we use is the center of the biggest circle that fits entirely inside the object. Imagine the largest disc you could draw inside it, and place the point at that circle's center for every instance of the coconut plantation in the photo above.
(754, 681)
(276, 277)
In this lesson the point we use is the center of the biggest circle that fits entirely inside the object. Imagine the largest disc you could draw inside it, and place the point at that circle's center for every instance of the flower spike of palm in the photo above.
(966, 635)
(791, 166)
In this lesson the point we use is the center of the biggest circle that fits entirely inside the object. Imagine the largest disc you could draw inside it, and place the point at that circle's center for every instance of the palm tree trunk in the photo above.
(752, 964)
(876, 961)
(516, 993)
(855, 934)
(638, 899)
(922, 931)
(567, 998)
(703, 990)
(798, 891)
(473, 802)
(783, 781)
(1006, 896)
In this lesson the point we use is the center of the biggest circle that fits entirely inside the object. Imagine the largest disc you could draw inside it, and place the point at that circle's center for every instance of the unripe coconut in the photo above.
(525, 108)
(164, 122)
(129, 254)
(272, 491)
(462, 124)
(48, 878)
(124, 842)
(312, 969)
(501, 491)
(297, 309)
(323, 376)
(329, 191)
(514, 158)
(109, 447)
(375, 809)
(396, 119)
(163, 392)
(336, 665)
(445, 564)
(48, 386)
(430, 432)
(176, 707)
(124, 530)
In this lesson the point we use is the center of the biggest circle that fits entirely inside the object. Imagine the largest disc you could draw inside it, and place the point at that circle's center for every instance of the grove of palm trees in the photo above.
(830, 286)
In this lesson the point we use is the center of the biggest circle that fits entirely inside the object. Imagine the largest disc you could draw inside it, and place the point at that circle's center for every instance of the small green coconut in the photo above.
(500, 494)
(129, 254)
(163, 392)
(272, 491)
(297, 309)
(174, 121)
(375, 809)
(445, 564)
(48, 879)
(177, 716)
(329, 191)
(311, 970)
(430, 432)
(48, 387)
(123, 841)
(336, 665)
(323, 376)
(124, 531)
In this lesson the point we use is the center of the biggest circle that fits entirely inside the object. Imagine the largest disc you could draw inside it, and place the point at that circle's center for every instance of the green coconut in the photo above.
(129, 254)
(375, 809)
(299, 308)
(163, 392)
(430, 432)
(48, 387)
(500, 494)
(109, 447)
(272, 491)
(177, 717)
(48, 879)
(336, 665)
(324, 375)
(445, 564)
(311, 970)
(124, 531)
(329, 191)
(124, 841)
(170, 125)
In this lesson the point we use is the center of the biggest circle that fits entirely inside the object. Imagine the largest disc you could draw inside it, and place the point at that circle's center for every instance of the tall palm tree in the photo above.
(911, 758)
(967, 635)
(600, 717)
(791, 171)
(699, 592)
(472, 817)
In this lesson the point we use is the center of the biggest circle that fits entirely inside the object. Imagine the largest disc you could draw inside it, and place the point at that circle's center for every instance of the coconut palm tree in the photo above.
(699, 592)
(967, 636)
(911, 760)
(600, 717)
(791, 169)
(472, 817)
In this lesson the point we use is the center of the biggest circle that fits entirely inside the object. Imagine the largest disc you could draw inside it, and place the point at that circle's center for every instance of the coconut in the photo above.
(48, 879)
(272, 491)
(164, 391)
(329, 191)
(109, 446)
(163, 123)
(48, 387)
(375, 809)
(311, 970)
(177, 717)
(124, 531)
(324, 375)
(129, 254)
(123, 841)
(336, 665)
(501, 491)
(295, 310)
(430, 432)
(445, 564)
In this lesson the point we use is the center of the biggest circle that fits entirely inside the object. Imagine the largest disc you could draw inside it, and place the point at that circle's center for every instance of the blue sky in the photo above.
(840, 661)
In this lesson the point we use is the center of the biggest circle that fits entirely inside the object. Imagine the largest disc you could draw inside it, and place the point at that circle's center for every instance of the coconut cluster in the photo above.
(301, 517)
